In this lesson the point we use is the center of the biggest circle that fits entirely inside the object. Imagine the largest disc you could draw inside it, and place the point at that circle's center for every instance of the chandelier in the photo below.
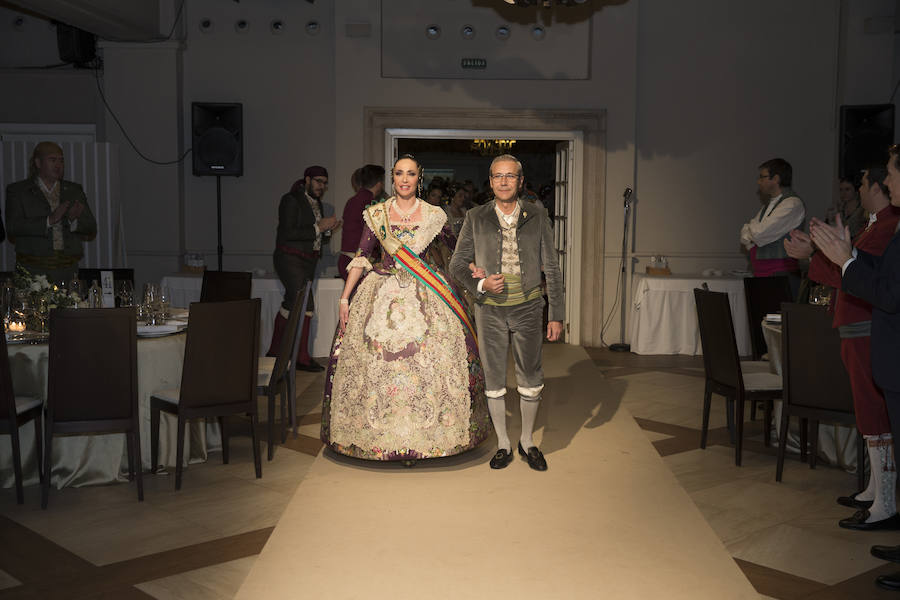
(492, 147)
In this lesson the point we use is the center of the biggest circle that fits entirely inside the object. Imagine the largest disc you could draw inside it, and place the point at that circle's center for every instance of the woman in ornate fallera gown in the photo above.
(404, 381)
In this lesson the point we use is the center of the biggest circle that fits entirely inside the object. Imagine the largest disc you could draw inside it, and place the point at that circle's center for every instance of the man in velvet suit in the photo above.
(510, 242)
(875, 279)
(48, 218)
(297, 249)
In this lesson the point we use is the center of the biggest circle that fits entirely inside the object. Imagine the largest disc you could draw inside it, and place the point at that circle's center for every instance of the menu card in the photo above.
(107, 289)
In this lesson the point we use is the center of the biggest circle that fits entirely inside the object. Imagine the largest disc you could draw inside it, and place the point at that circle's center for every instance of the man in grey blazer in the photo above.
(510, 242)
(48, 218)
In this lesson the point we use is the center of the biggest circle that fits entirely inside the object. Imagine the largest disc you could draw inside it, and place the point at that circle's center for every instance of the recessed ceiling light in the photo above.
(242, 26)
(313, 28)
(433, 32)
(538, 33)
(502, 33)
(467, 32)
(277, 26)
(206, 25)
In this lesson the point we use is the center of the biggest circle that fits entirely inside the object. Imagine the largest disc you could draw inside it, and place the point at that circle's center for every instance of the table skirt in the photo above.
(93, 459)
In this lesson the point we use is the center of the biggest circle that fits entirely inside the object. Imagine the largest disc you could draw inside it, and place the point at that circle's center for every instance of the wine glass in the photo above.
(164, 302)
(125, 292)
(42, 311)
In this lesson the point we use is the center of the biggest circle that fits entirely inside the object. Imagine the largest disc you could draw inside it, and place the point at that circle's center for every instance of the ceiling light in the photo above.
(432, 32)
(313, 28)
(538, 32)
(242, 26)
(467, 32)
(502, 33)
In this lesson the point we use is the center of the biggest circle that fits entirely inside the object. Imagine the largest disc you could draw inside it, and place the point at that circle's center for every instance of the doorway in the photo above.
(585, 131)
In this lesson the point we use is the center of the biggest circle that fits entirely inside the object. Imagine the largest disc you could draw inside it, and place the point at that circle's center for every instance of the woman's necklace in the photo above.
(406, 214)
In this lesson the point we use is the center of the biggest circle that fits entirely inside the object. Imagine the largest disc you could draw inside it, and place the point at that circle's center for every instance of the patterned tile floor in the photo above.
(199, 543)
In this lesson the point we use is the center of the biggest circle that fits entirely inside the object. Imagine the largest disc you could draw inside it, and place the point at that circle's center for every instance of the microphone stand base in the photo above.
(620, 347)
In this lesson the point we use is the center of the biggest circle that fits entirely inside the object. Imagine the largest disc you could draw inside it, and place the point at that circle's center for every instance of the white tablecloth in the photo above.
(185, 288)
(94, 459)
(664, 314)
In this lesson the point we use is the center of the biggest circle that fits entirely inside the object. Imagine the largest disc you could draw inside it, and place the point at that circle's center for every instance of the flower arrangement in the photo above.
(39, 294)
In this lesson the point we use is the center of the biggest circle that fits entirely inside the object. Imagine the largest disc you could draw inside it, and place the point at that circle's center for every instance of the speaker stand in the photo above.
(219, 216)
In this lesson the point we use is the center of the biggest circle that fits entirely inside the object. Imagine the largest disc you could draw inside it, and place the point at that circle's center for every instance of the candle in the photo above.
(16, 326)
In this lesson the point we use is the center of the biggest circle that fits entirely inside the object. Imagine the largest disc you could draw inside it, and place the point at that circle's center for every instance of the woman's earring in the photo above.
(419, 188)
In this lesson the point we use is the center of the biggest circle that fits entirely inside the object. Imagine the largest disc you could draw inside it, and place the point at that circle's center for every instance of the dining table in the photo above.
(664, 315)
(837, 443)
(184, 288)
(80, 460)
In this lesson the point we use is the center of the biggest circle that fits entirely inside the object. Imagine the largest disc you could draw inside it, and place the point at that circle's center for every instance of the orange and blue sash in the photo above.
(409, 260)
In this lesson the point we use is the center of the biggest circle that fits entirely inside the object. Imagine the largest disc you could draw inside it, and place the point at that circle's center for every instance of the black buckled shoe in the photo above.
(891, 553)
(501, 459)
(889, 582)
(858, 522)
(534, 457)
(312, 366)
(851, 501)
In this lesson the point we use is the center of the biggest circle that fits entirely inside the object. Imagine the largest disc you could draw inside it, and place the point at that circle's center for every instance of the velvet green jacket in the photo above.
(481, 240)
(26, 219)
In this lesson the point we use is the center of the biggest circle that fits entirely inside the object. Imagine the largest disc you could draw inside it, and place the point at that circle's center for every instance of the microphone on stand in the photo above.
(622, 346)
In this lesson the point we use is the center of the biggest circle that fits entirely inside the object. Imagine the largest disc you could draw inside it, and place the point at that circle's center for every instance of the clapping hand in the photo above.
(798, 245)
(57, 215)
(832, 240)
(75, 210)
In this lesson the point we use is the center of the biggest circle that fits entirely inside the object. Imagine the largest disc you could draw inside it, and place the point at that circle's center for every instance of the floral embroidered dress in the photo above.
(404, 380)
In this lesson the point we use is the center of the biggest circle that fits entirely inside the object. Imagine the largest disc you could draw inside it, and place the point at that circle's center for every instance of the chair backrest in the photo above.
(290, 339)
(225, 286)
(221, 354)
(814, 374)
(92, 372)
(764, 295)
(720, 356)
(119, 274)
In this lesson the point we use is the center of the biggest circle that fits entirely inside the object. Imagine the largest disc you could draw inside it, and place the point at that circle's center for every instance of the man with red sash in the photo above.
(763, 235)
(877, 508)
(510, 242)
(297, 248)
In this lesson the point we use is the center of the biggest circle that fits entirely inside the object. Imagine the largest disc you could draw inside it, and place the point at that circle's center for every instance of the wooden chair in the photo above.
(724, 375)
(119, 274)
(218, 378)
(225, 286)
(92, 381)
(764, 295)
(15, 412)
(277, 375)
(816, 384)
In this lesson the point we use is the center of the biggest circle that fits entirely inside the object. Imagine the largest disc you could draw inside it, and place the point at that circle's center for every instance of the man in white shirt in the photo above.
(763, 235)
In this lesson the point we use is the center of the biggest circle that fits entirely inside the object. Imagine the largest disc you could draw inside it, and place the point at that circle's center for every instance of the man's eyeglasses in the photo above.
(503, 176)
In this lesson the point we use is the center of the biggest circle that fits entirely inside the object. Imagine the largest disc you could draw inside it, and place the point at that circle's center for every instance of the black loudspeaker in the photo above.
(217, 138)
(867, 130)
(75, 45)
